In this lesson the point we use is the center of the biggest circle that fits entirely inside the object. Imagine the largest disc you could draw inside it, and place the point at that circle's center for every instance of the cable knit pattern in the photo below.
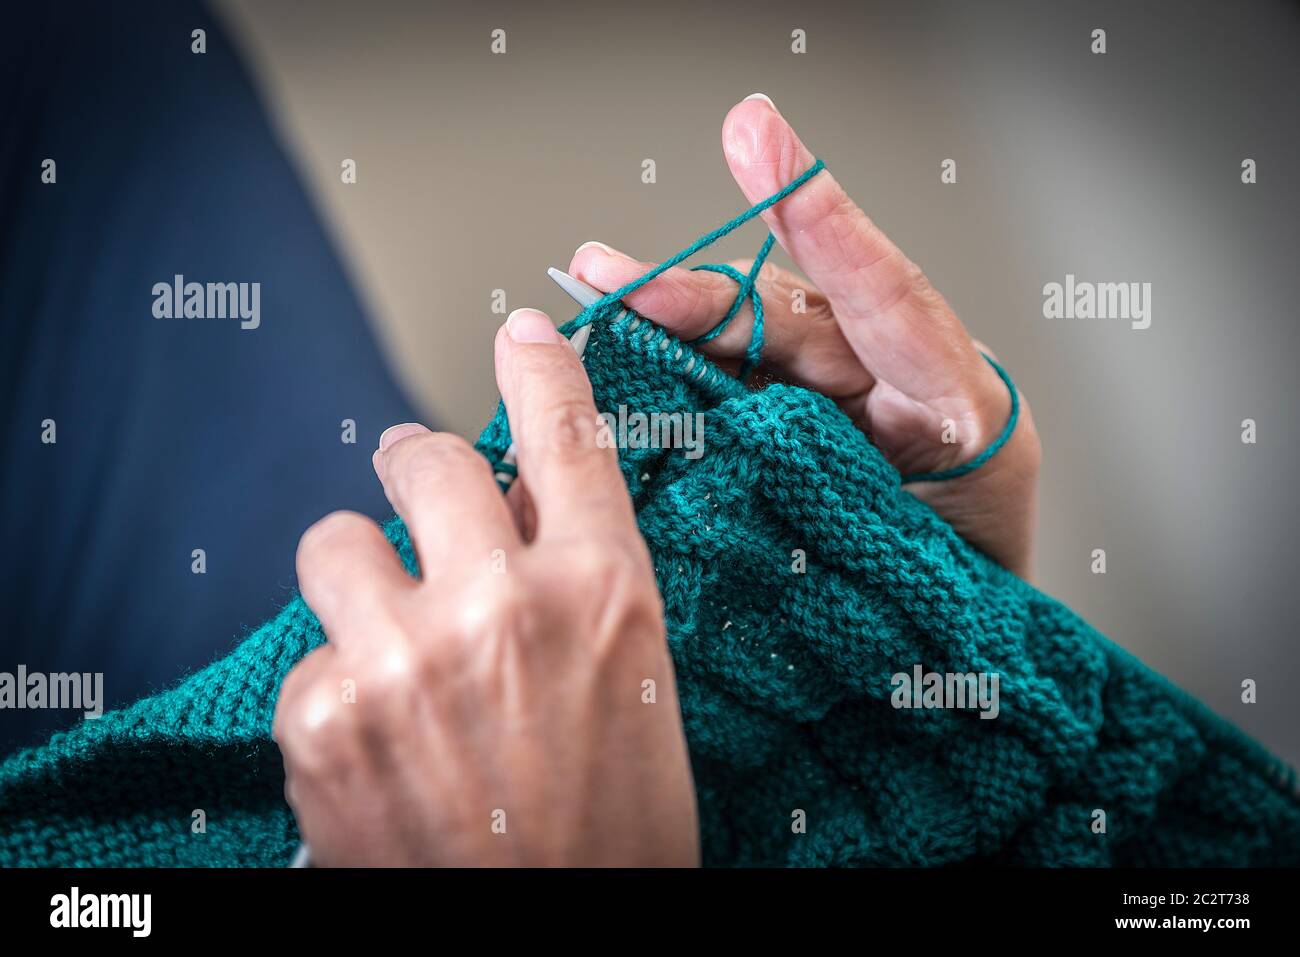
(784, 680)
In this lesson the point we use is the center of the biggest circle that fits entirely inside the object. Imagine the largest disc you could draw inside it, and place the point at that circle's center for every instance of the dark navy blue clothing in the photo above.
(172, 435)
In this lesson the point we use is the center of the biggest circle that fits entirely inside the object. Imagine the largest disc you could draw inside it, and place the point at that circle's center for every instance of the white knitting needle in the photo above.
(584, 296)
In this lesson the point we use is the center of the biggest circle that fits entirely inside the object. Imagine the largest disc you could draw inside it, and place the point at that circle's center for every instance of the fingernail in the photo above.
(529, 325)
(598, 245)
(395, 432)
(377, 463)
(764, 97)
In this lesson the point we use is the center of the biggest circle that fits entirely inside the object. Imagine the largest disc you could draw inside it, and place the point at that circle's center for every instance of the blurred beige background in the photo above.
(476, 172)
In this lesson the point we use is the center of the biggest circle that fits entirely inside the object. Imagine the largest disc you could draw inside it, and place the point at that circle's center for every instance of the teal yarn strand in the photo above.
(748, 290)
(610, 306)
(740, 279)
(993, 449)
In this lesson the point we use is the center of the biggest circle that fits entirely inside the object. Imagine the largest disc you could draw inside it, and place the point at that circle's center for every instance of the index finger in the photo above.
(899, 326)
(572, 477)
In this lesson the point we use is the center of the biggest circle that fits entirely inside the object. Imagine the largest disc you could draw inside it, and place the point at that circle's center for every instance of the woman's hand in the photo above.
(874, 335)
(517, 705)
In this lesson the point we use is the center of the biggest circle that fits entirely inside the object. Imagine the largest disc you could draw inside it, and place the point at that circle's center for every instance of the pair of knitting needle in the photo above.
(584, 296)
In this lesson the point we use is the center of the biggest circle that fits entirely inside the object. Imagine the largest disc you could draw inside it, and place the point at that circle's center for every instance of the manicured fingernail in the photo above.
(395, 432)
(529, 325)
(598, 245)
(762, 96)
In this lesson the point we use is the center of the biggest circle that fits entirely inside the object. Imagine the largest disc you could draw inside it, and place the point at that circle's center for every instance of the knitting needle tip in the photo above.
(581, 293)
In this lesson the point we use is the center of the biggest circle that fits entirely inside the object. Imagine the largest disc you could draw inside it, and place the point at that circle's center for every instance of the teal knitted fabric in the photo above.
(784, 681)
(784, 674)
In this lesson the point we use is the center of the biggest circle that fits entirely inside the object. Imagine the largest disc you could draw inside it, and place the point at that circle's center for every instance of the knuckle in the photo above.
(908, 281)
(431, 452)
(690, 296)
(390, 682)
(664, 294)
(568, 429)
(419, 460)
(917, 284)
(313, 725)
(606, 564)
(294, 684)
(631, 609)
(620, 572)
(329, 534)
(504, 608)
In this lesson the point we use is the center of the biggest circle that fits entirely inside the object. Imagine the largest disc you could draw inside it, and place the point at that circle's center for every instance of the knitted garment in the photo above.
(798, 577)
(784, 679)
